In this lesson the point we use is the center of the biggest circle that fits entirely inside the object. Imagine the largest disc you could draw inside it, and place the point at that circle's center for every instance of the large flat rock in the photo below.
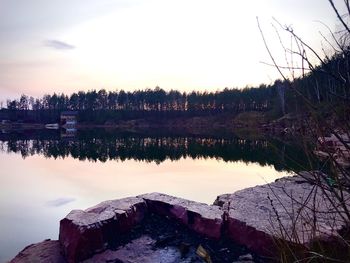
(291, 209)
(86, 232)
(204, 219)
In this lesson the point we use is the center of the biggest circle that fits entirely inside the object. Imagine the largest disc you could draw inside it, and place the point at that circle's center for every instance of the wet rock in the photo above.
(248, 258)
(170, 233)
(84, 233)
(258, 216)
(46, 251)
(202, 218)
(164, 240)
(143, 250)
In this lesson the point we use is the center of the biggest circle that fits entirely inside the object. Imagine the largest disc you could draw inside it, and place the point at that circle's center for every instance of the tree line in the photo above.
(100, 145)
(149, 100)
(318, 86)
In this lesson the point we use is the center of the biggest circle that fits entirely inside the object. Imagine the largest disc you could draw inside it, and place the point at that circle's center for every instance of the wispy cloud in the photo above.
(56, 44)
(60, 201)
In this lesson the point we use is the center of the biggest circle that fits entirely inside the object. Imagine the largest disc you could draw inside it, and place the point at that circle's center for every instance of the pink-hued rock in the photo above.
(46, 251)
(204, 219)
(84, 233)
(294, 209)
(259, 216)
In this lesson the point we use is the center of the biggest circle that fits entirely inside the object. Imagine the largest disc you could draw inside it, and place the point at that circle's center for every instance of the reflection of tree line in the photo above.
(157, 149)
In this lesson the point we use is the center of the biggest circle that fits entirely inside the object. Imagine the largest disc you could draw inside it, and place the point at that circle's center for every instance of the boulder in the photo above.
(84, 233)
(46, 251)
(290, 209)
(204, 219)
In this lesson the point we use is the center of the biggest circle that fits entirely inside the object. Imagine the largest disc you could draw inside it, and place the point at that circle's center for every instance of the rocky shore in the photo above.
(160, 228)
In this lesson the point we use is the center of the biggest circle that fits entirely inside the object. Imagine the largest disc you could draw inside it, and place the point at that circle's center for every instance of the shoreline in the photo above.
(255, 122)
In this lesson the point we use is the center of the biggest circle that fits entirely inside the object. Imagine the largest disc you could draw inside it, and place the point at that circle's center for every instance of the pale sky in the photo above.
(59, 46)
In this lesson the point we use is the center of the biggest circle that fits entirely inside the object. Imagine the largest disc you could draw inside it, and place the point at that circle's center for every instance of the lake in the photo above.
(45, 174)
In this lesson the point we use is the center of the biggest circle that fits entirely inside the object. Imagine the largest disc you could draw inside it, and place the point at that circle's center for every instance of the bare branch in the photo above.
(339, 16)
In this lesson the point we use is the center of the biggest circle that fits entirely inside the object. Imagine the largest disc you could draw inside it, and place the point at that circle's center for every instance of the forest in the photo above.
(324, 87)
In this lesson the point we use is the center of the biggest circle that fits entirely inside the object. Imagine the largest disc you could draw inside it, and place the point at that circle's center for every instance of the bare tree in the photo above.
(330, 132)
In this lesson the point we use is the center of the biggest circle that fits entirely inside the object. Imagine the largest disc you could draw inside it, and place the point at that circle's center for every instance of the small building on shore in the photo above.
(68, 133)
(4, 117)
(69, 118)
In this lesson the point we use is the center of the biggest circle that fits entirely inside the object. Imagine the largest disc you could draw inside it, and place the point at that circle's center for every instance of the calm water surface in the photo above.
(44, 175)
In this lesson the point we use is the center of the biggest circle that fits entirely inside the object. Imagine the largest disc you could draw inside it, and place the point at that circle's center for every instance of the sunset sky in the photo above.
(70, 45)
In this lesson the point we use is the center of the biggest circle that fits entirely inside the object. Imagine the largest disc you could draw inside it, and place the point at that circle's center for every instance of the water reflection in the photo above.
(43, 175)
(102, 145)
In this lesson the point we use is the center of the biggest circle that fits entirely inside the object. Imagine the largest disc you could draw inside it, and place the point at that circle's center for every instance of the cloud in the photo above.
(60, 201)
(56, 44)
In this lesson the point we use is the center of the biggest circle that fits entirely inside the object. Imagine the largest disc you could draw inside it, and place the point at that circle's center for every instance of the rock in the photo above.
(338, 148)
(84, 233)
(292, 209)
(202, 218)
(257, 217)
(222, 199)
(46, 251)
(143, 250)
(247, 257)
